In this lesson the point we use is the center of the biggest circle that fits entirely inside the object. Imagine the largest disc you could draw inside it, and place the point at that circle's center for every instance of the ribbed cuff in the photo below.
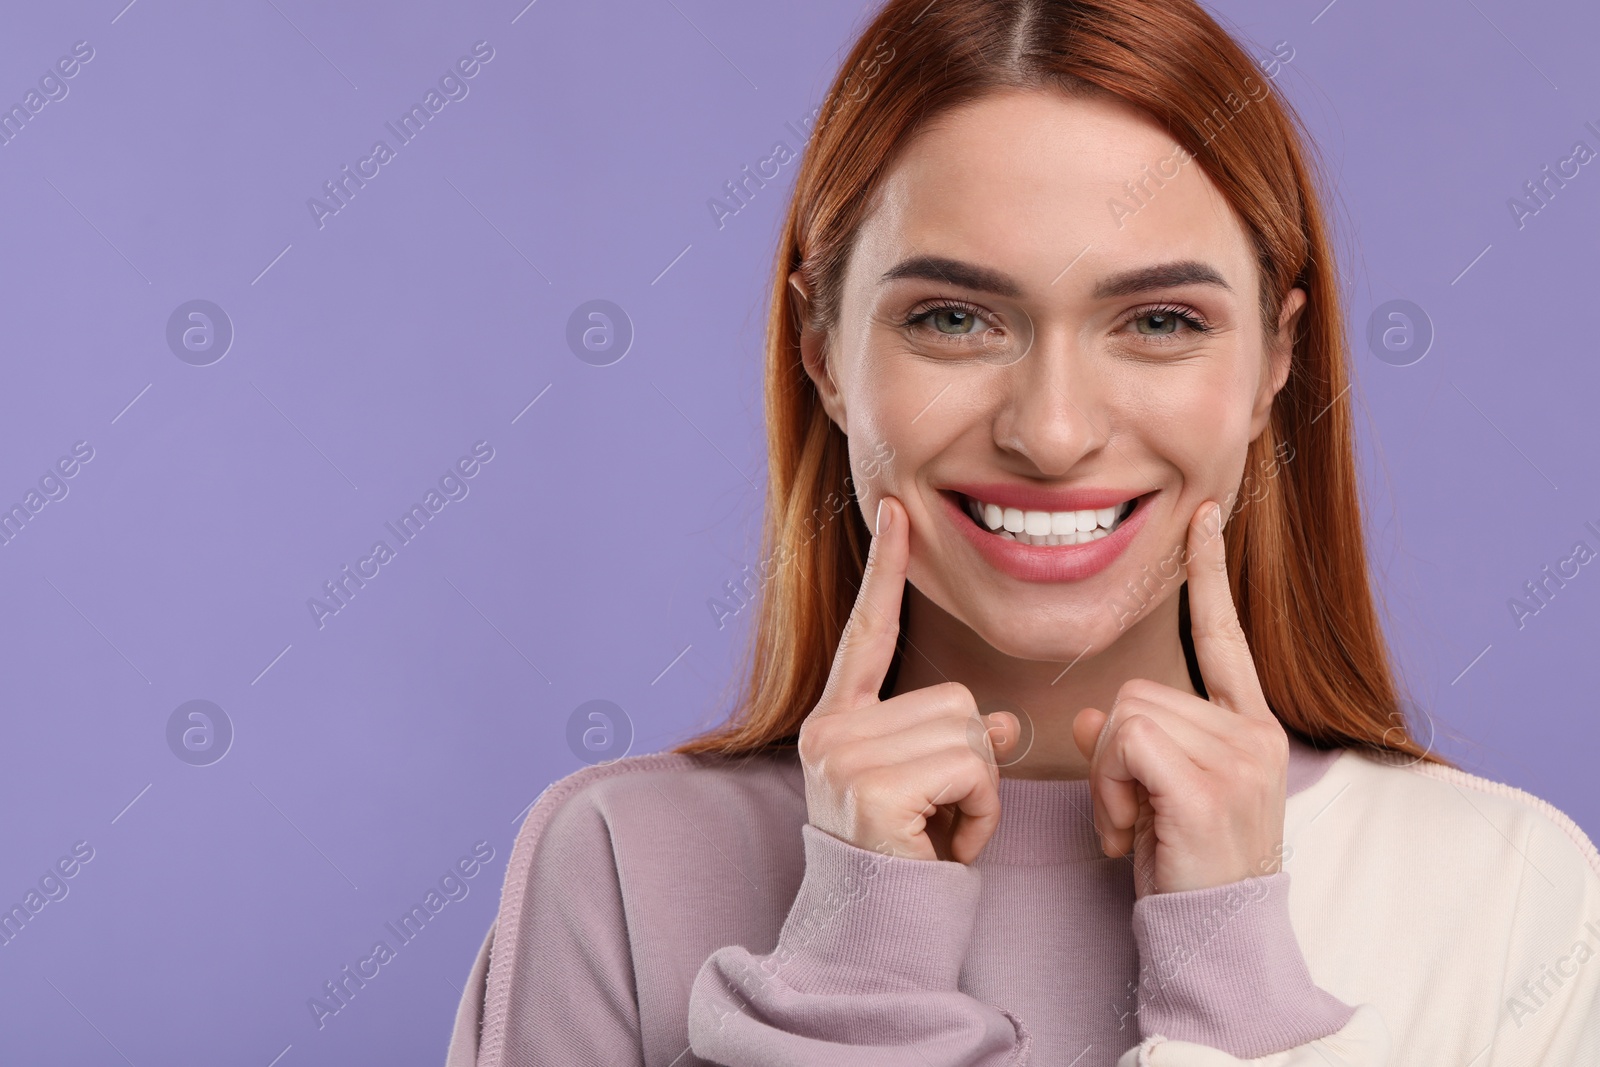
(864, 922)
(1222, 967)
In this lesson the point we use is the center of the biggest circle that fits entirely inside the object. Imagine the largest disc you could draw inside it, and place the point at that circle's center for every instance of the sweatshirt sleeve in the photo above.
(1222, 981)
(864, 972)
(469, 1012)
(554, 981)
(1549, 1009)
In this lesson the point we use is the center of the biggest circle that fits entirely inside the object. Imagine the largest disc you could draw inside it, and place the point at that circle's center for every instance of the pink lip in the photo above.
(1048, 563)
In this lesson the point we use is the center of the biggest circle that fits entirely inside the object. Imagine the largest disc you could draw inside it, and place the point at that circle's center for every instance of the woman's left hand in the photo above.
(1194, 787)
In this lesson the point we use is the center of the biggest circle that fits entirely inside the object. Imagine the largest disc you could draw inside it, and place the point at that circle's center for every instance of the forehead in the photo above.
(1029, 179)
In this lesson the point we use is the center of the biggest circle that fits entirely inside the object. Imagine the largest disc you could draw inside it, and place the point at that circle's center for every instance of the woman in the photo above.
(1062, 484)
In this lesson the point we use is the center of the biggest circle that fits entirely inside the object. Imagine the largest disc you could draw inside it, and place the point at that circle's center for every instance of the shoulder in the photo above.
(662, 800)
(1440, 821)
(1435, 894)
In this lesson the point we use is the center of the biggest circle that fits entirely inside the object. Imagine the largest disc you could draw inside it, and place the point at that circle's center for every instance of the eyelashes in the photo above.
(1176, 312)
(918, 322)
(923, 313)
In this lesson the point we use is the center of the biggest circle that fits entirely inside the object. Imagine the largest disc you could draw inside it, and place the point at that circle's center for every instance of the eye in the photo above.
(1164, 321)
(956, 331)
(947, 319)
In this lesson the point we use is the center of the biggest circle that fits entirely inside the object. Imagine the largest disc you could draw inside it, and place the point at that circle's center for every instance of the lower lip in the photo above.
(1047, 563)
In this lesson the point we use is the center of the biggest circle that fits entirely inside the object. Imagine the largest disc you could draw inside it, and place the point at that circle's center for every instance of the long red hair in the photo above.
(1296, 559)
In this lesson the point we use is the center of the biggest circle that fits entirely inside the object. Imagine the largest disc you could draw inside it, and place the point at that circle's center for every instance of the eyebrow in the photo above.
(983, 279)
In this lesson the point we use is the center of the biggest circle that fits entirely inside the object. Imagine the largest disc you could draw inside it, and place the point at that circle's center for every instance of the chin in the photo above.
(1074, 626)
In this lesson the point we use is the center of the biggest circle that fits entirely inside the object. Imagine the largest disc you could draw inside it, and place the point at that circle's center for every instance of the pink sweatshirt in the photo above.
(668, 910)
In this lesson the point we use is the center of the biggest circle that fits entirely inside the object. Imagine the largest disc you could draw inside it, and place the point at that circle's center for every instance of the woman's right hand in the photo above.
(914, 775)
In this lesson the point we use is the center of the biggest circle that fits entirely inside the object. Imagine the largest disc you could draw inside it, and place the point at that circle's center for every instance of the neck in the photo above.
(1045, 695)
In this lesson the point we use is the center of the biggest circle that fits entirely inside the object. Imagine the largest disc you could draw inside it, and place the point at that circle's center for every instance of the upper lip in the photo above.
(1036, 498)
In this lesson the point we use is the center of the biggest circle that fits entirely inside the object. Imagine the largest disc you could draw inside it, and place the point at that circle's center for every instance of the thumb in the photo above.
(1004, 731)
(1086, 727)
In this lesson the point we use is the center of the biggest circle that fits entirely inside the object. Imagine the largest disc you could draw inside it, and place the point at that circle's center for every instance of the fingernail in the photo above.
(1218, 508)
(877, 520)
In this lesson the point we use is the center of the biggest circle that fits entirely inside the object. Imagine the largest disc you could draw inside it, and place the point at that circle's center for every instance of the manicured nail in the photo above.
(877, 520)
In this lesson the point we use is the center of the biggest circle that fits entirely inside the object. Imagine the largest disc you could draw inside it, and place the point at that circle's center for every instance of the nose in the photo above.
(1053, 409)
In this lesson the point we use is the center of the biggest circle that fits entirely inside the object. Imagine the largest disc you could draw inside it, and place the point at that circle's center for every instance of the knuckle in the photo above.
(806, 743)
(1275, 739)
(1139, 727)
(1226, 625)
(1223, 629)
(860, 628)
(816, 738)
(1267, 741)
(1135, 689)
(979, 737)
(956, 696)
(1127, 706)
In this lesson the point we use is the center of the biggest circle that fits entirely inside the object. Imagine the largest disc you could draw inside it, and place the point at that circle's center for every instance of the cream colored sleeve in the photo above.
(1362, 1042)
(1550, 1000)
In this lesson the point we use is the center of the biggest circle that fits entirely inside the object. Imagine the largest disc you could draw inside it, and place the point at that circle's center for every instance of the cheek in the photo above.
(894, 428)
(1192, 421)
(1195, 417)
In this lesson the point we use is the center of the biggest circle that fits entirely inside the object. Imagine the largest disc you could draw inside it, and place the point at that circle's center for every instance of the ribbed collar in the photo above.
(1050, 821)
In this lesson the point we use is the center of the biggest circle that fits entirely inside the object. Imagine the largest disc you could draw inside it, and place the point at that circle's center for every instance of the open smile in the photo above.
(1047, 527)
(1039, 545)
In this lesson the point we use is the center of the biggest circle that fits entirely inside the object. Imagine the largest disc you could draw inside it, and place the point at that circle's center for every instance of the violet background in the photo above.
(432, 311)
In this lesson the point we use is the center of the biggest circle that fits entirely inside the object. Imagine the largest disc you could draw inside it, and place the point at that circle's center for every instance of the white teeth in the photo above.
(1048, 527)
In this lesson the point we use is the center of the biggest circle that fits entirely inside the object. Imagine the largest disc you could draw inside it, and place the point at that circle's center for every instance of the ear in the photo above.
(1280, 357)
(813, 355)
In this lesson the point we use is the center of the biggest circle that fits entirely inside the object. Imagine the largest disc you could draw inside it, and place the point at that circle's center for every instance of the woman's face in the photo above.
(1022, 327)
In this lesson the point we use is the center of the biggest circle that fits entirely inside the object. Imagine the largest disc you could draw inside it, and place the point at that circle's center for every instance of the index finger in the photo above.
(866, 648)
(1220, 646)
